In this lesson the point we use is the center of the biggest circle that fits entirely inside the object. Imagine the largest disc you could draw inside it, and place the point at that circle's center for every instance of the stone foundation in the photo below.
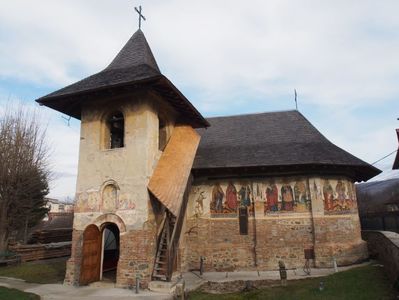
(224, 249)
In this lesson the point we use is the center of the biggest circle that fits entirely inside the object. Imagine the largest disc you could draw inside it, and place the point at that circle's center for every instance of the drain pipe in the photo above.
(137, 284)
(255, 240)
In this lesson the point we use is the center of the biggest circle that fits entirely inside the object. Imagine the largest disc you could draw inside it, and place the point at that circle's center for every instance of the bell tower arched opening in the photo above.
(115, 135)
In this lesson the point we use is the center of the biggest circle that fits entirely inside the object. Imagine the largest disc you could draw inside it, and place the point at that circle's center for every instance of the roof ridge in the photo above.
(254, 114)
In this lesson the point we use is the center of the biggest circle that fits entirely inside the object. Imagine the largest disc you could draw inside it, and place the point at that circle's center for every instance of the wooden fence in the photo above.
(41, 251)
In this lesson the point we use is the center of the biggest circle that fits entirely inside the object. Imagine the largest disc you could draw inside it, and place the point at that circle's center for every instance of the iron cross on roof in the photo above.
(140, 15)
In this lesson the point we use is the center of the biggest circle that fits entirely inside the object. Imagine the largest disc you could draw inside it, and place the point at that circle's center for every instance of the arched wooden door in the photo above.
(91, 255)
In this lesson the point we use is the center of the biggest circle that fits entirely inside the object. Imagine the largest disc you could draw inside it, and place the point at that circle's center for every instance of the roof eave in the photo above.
(357, 173)
(70, 104)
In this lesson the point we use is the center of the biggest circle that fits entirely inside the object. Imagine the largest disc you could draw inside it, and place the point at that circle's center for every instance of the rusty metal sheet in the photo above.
(169, 180)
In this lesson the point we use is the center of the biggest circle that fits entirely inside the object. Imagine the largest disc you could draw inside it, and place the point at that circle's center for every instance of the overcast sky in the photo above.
(227, 57)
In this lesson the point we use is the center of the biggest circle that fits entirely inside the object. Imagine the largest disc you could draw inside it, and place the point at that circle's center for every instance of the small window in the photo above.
(61, 207)
(162, 135)
(243, 220)
(116, 127)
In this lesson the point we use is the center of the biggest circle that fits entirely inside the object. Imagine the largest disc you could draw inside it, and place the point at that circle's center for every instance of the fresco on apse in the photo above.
(270, 196)
(339, 197)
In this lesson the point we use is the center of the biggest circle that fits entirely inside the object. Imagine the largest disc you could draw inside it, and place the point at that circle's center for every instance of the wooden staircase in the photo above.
(162, 259)
(168, 240)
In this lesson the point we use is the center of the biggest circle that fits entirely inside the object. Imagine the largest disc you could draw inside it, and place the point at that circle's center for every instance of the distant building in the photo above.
(57, 206)
(379, 205)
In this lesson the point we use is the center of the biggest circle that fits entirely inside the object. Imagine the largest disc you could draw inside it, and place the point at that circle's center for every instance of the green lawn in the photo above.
(369, 282)
(8, 294)
(47, 271)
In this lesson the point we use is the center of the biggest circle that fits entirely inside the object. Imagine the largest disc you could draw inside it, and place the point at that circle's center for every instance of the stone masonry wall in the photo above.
(384, 245)
(136, 258)
(286, 216)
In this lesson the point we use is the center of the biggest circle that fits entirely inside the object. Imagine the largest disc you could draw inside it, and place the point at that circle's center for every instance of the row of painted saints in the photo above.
(284, 199)
(338, 197)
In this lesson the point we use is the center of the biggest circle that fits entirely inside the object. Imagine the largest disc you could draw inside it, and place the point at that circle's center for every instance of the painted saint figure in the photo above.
(245, 196)
(199, 204)
(217, 198)
(340, 189)
(300, 192)
(328, 194)
(287, 198)
(271, 198)
(231, 198)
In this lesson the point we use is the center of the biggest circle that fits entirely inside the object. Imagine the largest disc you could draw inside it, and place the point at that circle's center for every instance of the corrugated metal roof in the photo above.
(169, 180)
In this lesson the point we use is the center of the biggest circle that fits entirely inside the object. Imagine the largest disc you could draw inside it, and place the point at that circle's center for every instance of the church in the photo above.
(160, 188)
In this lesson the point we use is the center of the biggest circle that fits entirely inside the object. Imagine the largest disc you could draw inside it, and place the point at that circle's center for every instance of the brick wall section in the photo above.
(72, 273)
(137, 252)
(385, 246)
(339, 237)
(224, 249)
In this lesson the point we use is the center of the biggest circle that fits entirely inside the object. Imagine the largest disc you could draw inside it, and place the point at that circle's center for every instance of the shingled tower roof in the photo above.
(134, 67)
(135, 53)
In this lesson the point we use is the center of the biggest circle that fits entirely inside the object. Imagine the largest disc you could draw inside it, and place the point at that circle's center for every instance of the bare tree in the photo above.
(24, 171)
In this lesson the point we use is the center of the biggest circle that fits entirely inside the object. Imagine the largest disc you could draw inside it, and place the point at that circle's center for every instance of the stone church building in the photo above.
(160, 187)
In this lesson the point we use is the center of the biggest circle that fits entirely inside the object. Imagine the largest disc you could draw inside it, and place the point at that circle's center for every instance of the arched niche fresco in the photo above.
(109, 196)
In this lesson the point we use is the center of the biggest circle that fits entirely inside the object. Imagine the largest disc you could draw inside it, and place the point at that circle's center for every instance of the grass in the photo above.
(47, 271)
(369, 282)
(7, 294)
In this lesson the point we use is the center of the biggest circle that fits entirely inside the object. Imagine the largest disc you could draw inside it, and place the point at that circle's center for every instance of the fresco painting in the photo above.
(270, 196)
(231, 198)
(339, 197)
(301, 195)
(287, 198)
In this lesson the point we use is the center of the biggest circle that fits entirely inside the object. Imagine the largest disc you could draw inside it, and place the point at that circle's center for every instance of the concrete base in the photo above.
(162, 286)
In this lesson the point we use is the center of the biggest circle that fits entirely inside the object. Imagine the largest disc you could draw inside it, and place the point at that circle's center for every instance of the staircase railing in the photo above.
(173, 243)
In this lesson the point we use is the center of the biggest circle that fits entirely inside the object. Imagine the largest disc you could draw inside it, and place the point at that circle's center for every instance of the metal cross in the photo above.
(140, 15)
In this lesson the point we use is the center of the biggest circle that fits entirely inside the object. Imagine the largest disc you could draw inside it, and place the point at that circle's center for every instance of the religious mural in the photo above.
(268, 196)
(339, 197)
(87, 202)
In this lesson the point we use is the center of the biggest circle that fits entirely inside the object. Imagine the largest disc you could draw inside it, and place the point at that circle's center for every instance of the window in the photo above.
(162, 135)
(243, 220)
(116, 127)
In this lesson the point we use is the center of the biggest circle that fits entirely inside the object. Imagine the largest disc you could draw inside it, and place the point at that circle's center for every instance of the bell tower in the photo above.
(137, 146)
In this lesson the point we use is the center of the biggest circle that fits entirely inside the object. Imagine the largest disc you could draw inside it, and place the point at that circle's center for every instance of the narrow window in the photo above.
(116, 127)
(162, 135)
(243, 220)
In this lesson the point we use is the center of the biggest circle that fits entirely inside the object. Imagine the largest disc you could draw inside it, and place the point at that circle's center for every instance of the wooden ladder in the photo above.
(161, 261)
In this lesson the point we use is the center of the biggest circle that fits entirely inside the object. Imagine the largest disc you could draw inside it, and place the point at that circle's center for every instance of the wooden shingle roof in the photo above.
(273, 141)
(134, 67)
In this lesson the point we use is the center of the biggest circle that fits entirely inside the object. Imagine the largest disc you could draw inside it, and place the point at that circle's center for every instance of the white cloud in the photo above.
(228, 56)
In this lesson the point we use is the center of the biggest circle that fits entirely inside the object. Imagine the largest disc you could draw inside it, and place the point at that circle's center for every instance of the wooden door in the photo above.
(91, 255)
